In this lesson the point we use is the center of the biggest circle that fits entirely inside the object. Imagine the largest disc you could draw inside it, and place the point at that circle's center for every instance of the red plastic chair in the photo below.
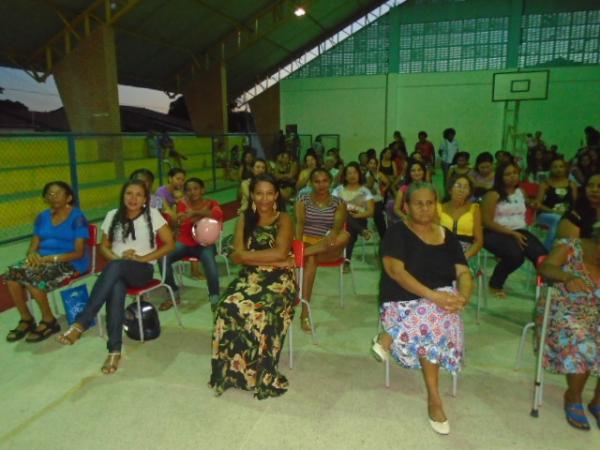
(298, 248)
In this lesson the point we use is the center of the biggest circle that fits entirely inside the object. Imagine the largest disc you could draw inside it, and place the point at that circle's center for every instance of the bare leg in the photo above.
(576, 384)
(431, 375)
(17, 293)
(322, 251)
(385, 340)
(42, 300)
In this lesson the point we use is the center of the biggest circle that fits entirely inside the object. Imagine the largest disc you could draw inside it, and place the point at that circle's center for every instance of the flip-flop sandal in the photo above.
(49, 329)
(576, 416)
(595, 410)
(17, 334)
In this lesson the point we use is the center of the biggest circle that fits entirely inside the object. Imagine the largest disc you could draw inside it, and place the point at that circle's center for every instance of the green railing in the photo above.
(96, 166)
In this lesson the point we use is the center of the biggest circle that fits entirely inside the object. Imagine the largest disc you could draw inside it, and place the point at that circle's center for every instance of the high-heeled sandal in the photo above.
(72, 335)
(111, 364)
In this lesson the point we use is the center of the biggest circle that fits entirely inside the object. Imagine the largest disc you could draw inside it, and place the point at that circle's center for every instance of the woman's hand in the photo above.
(450, 302)
(521, 239)
(34, 259)
(332, 237)
(576, 284)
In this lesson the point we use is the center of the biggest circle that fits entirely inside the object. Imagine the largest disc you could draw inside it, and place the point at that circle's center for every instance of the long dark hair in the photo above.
(355, 166)
(499, 186)
(251, 217)
(120, 218)
(412, 163)
(64, 186)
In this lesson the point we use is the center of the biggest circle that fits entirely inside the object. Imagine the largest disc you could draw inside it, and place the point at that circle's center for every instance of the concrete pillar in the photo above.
(86, 79)
(206, 100)
(267, 117)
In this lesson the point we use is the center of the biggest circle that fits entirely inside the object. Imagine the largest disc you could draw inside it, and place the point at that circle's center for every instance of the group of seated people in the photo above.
(428, 243)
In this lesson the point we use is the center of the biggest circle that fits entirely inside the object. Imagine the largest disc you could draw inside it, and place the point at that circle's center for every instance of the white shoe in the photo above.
(440, 427)
(379, 353)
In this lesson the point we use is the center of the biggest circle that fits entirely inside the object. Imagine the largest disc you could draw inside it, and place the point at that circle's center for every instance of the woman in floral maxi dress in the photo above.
(572, 345)
(254, 313)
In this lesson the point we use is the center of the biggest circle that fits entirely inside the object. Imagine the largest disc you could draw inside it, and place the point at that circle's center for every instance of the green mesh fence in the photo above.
(564, 38)
(96, 166)
(364, 53)
(456, 45)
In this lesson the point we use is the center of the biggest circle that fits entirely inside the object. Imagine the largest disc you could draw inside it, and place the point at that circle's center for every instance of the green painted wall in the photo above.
(356, 108)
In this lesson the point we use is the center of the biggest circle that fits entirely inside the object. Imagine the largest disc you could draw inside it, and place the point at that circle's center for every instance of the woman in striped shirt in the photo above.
(320, 219)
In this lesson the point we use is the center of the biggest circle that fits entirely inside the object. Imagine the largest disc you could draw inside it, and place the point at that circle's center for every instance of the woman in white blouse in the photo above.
(359, 204)
(129, 244)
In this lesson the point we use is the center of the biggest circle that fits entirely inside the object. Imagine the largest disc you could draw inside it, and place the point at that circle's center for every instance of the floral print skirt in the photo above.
(45, 277)
(252, 319)
(421, 329)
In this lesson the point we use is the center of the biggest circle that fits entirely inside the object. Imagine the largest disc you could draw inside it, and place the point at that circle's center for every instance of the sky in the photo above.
(18, 86)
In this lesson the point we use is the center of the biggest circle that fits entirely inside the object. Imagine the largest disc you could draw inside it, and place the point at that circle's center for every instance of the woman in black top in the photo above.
(424, 285)
(579, 221)
(555, 196)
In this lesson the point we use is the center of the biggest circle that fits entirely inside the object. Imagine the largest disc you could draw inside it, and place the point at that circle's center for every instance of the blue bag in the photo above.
(75, 300)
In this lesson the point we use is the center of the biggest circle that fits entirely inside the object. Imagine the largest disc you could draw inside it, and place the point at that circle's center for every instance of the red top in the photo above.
(185, 230)
(426, 150)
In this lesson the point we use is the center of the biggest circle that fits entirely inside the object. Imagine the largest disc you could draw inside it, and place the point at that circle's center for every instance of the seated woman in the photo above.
(505, 229)
(57, 252)
(416, 174)
(556, 196)
(310, 163)
(191, 209)
(580, 219)
(460, 166)
(359, 205)
(172, 192)
(483, 174)
(320, 219)
(572, 345)
(129, 236)
(246, 165)
(285, 172)
(378, 184)
(463, 217)
(259, 167)
(254, 313)
(419, 306)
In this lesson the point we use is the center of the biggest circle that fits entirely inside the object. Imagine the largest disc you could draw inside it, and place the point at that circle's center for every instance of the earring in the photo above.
(253, 206)
(275, 206)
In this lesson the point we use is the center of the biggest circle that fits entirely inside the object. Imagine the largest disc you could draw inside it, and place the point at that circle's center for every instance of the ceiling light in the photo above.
(300, 11)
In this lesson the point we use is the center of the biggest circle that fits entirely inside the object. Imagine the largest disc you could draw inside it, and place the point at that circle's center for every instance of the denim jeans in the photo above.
(511, 255)
(206, 255)
(111, 288)
(549, 220)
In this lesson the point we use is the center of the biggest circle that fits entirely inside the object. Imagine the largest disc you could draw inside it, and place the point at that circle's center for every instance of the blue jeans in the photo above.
(206, 255)
(111, 288)
(549, 220)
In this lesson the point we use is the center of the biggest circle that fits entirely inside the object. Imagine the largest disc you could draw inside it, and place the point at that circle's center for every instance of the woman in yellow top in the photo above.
(462, 217)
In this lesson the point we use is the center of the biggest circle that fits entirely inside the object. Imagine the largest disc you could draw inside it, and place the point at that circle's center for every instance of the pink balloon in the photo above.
(206, 231)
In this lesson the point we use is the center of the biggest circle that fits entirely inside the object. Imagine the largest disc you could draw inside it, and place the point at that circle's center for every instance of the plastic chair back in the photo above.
(298, 248)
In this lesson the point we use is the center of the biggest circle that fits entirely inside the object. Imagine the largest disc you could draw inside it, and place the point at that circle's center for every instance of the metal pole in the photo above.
(214, 163)
(73, 167)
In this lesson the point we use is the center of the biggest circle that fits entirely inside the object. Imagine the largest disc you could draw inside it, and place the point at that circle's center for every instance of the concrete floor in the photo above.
(55, 397)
